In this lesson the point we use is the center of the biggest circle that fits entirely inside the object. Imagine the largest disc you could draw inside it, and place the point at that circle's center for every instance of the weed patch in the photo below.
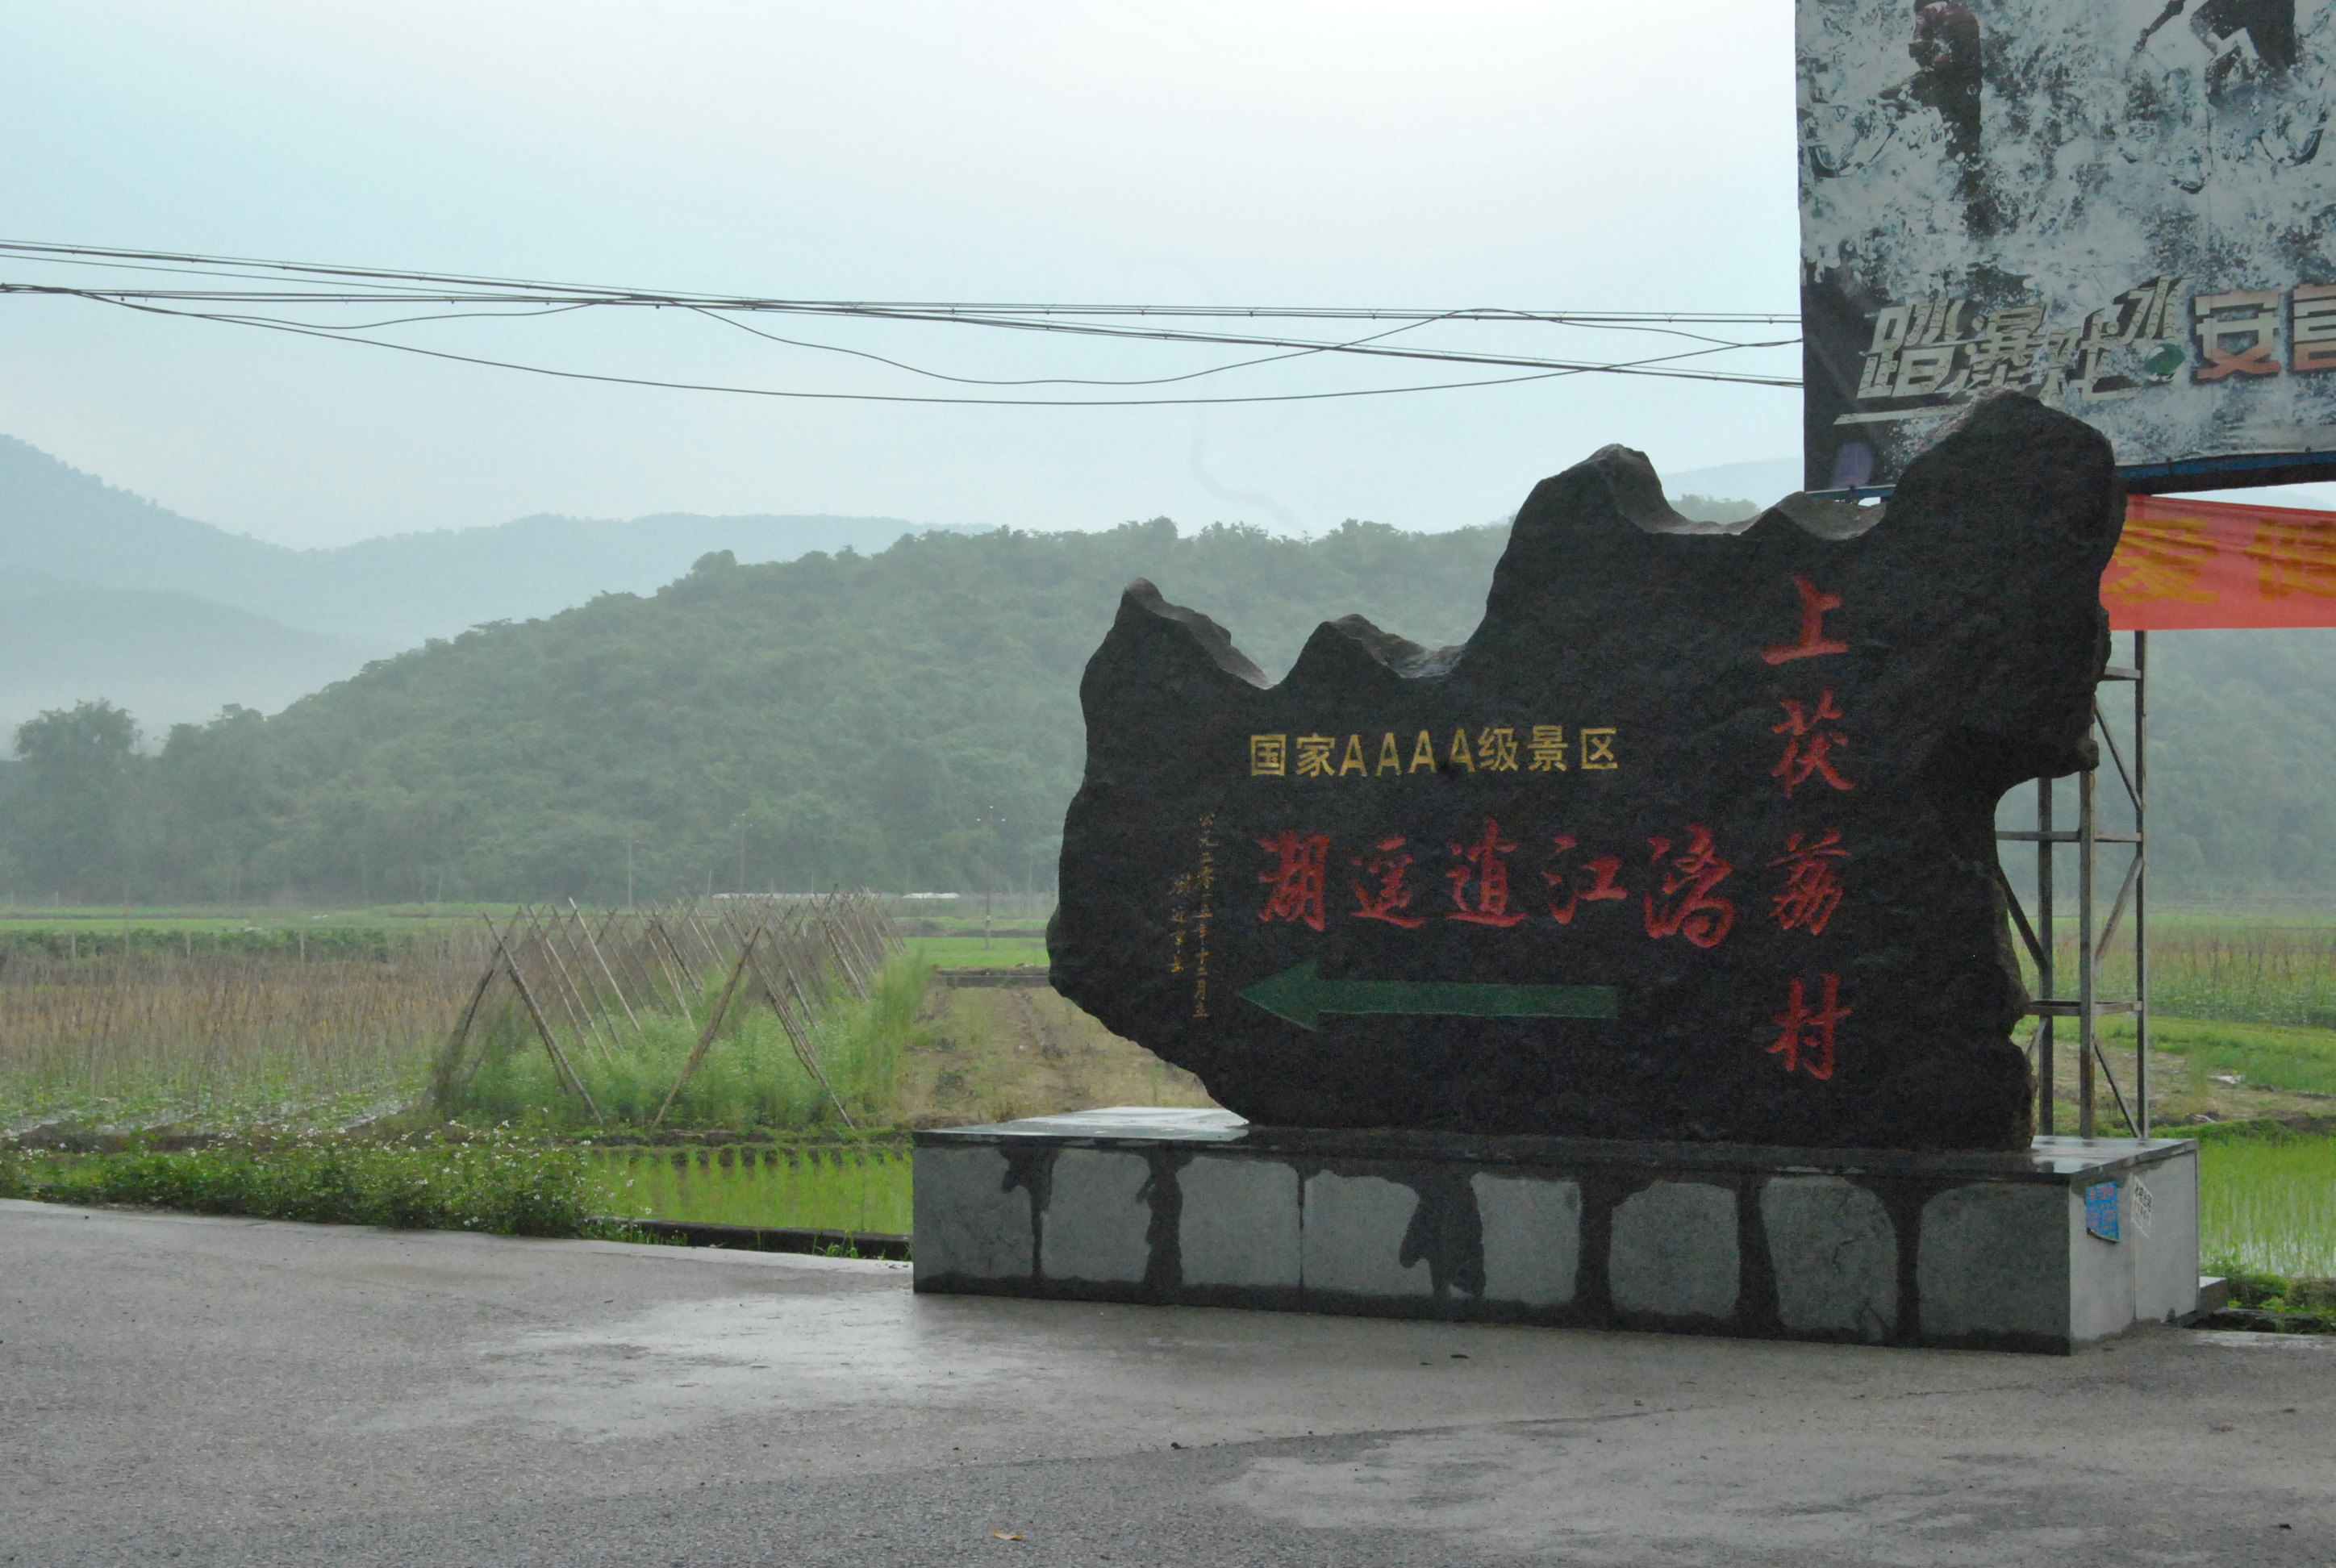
(498, 1184)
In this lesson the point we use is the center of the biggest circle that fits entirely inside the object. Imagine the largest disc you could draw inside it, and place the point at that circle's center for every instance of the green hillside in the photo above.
(903, 720)
(2243, 761)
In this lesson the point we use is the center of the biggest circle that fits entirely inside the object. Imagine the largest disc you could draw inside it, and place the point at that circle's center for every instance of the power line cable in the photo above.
(1304, 346)
(533, 291)
(1058, 380)
(506, 298)
(1624, 369)
(1045, 318)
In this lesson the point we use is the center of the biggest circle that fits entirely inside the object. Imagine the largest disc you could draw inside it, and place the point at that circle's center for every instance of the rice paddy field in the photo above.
(2268, 1204)
(861, 1187)
(100, 1029)
(194, 1021)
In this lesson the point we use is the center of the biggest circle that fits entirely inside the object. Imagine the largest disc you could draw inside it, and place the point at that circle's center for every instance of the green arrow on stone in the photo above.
(1302, 996)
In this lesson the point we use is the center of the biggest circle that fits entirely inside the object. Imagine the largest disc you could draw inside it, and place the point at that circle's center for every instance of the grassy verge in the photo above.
(991, 1055)
(497, 1184)
(973, 953)
(2278, 1302)
(2296, 1057)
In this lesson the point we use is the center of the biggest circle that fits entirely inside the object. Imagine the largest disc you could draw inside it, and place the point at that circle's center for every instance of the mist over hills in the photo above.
(168, 658)
(906, 716)
(225, 619)
(907, 719)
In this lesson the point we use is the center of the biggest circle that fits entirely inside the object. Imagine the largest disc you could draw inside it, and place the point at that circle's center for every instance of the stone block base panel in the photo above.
(2064, 1244)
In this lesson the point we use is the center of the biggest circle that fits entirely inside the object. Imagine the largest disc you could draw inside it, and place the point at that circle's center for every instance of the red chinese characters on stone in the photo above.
(1805, 1034)
(1487, 868)
(1687, 882)
(1603, 870)
(1808, 745)
(1811, 881)
(1385, 898)
(1296, 877)
(1813, 640)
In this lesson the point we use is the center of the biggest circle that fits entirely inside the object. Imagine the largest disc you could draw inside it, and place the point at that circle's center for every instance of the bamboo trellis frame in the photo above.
(793, 955)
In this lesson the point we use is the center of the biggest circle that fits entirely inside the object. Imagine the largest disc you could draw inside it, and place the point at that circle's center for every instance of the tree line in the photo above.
(903, 720)
(907, 719)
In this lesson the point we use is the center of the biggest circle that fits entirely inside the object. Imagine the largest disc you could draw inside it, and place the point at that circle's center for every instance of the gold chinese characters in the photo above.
(1491, 749)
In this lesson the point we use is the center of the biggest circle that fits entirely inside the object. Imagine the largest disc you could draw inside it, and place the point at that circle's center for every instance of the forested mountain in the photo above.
(903, 719)
(2243, 760)
(906, 719)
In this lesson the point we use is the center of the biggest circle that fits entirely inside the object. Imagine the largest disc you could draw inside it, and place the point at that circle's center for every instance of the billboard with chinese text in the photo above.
(2122, 206)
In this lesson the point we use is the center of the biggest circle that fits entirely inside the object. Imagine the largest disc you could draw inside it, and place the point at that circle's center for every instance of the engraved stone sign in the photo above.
(1692, 839)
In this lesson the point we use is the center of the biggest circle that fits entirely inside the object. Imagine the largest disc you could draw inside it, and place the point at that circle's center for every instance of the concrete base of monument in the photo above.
(2045, 1249)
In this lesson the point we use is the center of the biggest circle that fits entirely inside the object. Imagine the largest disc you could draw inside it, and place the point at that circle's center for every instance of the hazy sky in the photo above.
(1469, 152)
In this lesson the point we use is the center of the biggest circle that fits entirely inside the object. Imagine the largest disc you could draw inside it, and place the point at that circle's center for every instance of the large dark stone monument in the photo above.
(1691, 840)
(1639, 964)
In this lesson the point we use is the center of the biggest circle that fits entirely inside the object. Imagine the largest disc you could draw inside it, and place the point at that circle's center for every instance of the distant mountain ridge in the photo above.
(168, 658)
(391, 591)
(104, 593)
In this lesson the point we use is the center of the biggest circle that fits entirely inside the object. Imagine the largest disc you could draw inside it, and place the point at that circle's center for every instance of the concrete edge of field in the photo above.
(634, 1250)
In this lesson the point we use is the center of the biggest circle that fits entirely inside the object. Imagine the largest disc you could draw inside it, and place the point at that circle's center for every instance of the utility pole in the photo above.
(991, 817)
(628, 868)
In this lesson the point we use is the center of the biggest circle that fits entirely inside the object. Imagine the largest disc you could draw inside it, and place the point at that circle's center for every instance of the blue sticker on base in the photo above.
(2101, 1210)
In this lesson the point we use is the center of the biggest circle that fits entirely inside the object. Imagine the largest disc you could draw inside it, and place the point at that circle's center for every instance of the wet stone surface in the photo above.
(1691, 840)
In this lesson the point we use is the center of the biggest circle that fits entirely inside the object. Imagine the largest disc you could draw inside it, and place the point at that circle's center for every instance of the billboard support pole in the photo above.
(2087, 956)
(2046, 853)
(2095, 936)
(2141, 883)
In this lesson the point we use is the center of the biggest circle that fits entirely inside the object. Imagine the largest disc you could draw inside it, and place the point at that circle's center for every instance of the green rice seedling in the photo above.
(853, 1186)
(2267, 1203)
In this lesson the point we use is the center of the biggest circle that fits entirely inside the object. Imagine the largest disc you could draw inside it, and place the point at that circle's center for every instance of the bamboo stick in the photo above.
(705, 1035)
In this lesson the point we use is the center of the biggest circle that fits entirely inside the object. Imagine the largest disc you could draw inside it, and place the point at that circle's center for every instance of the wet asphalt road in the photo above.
(204, 1391)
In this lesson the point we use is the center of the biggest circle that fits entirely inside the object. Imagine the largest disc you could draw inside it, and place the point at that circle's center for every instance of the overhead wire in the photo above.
(508, 299)
(1302, 348)
(1056, 380)
(176, 260)
(978, 402)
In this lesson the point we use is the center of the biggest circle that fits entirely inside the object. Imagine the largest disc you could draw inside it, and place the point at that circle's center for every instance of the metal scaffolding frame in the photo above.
(2095, 938)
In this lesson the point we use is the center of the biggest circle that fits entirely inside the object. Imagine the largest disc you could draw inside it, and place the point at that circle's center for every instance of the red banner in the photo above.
(2184, 565)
